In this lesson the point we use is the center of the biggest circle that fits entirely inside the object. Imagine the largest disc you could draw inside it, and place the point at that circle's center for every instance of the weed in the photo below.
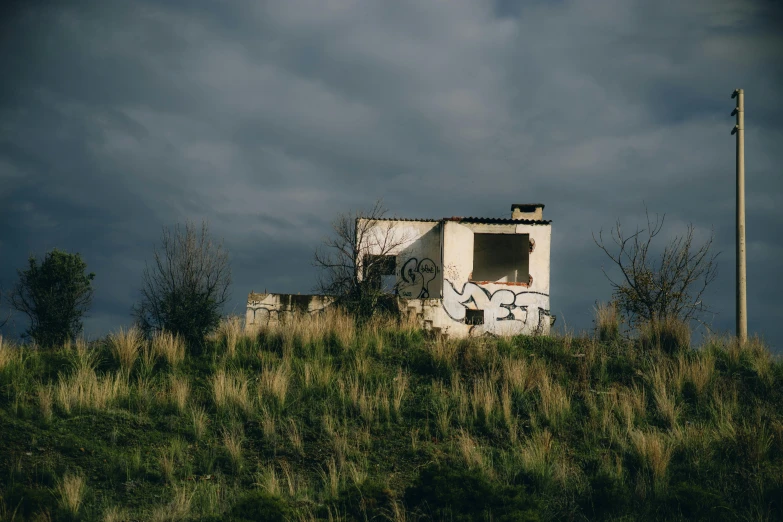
(45, 401)
(169, 346)
(536, 454)
(274, 383)
(179, 391)
(126, 345)
(229, 332)
(116, 514)
(199, 421)
(230, 389)
(331, 477)
(71, 491)
(654, 450)
(607, 322)
(232, 440)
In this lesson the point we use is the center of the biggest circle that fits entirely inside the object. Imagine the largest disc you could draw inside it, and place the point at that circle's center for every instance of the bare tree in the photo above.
(187, 285)
(354, 260)
(656, 287)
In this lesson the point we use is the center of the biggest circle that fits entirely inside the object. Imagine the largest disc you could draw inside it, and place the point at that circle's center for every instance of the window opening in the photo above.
(474, 316)
(501, 258)
(380, 271)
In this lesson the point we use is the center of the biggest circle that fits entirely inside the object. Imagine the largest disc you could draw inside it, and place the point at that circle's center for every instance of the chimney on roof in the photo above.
(532, 211)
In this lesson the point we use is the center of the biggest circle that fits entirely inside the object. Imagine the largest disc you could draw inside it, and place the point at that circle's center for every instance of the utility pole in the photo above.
(742, 296)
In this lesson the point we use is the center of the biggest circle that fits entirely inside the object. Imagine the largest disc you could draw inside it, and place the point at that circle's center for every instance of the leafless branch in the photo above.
(353, 256)
(186, 285)
(671, 285)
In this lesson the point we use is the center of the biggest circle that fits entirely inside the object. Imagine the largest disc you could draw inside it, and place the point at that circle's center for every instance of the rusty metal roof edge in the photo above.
(498, 221)
(477, 220)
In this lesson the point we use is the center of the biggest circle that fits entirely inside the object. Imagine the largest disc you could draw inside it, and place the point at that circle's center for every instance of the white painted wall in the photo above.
(434, 263)
(509, 308)
(419, 267)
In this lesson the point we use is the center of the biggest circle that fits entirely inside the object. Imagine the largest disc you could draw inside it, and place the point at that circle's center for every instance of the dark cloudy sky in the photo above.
(268, 118)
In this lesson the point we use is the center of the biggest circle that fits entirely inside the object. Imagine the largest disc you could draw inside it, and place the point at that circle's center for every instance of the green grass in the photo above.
(322, 420)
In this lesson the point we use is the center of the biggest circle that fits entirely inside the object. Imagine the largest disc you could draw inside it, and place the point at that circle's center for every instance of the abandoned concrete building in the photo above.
(460, 276)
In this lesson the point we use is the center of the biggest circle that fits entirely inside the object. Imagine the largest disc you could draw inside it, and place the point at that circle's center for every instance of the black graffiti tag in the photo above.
(417, 273)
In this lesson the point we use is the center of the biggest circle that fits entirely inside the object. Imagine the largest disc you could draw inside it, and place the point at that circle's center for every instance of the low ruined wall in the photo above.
(265, 308)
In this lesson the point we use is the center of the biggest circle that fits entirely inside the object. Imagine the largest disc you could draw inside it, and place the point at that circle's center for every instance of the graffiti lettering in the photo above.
(505, 311)
(416, 276)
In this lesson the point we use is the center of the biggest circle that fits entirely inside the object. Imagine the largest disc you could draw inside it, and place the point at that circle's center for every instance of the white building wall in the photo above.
(509, 308)
(434, 264)
(417, 249)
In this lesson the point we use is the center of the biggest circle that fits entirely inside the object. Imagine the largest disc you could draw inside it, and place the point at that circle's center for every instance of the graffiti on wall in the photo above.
(262, 312)
(505, 310)
(260, 315)
(416, 276)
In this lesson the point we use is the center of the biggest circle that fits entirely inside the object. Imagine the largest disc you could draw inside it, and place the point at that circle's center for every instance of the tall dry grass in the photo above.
(273, 383)
(311, 329)
(199, 422)
(669, 335)
(399, 388)
(169, 347)
(116, 514)
(8, 353)
(661, 379)
(318, 372)
(520, 376)
(471, 451)
(555, 399)
(483, 399)
(179, 392)
(45, 401)
(607, 322)
(178, 508)
(229, 333)
(231, 390)
(126, 345)
(698, 371)
(84, 389)
(269, 481)
(232, 441)
(71, 489)
(536, 453)
(295, 436)
(654, 450)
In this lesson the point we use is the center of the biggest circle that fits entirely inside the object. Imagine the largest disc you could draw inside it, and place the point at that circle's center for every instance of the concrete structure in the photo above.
(460, 276)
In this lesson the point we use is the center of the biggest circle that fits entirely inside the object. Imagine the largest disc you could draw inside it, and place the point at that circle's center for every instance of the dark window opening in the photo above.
(380, 271)
(474, 316)
(502, 258)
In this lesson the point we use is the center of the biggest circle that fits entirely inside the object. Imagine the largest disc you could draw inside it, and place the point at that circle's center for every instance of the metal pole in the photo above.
(742, 297)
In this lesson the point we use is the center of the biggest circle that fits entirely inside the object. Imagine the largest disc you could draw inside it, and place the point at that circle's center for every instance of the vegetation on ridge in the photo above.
(320, 419)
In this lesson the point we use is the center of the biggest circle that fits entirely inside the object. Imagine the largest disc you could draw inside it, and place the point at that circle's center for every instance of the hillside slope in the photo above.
(319, 419)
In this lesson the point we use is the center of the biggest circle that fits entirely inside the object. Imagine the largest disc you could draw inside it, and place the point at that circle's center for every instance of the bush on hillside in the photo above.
(54, 295)
(451, 492)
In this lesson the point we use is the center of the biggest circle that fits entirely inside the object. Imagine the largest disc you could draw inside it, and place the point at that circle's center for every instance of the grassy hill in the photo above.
(322, 420)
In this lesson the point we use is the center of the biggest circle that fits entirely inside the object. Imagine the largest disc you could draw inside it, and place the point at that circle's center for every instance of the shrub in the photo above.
(186, 286)
(259, 506)
(446, 492)
(54, 296)
(368, 501)
(670, 335)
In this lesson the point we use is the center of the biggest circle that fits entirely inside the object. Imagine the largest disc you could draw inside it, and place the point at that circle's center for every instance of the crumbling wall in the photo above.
(263, 309)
